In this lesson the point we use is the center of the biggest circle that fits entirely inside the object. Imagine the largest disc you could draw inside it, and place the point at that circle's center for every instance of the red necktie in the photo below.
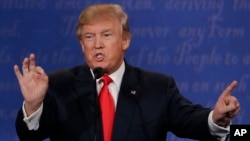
(107, 108)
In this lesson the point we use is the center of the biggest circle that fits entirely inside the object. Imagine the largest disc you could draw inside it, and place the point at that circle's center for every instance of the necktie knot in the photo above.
(106, 80)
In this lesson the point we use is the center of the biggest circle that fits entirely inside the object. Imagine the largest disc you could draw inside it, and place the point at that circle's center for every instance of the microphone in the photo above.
(98, 73)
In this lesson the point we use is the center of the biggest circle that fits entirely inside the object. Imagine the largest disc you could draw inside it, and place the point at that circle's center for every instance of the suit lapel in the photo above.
(126, 104)
(85, 92)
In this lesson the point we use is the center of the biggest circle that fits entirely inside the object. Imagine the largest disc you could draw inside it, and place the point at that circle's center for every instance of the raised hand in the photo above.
(33, 82)
(226, 107)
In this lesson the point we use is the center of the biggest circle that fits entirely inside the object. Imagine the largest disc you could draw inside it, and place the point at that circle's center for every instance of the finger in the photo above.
(25, 65)
(232, 105)
(39, 70)
(230, 100)
(17, 72)
(229, 89)
(237, 105)
(233, 113)
(236, 111)
(32, 62)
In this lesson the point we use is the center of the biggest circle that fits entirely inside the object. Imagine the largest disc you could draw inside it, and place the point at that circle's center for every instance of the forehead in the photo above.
(101, 24)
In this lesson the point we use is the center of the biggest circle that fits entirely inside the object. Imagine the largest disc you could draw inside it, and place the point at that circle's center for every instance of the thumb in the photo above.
(39, 70)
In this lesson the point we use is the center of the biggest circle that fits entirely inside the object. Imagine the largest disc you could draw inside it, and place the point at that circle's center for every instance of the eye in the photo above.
(107, 35)
(88, 36)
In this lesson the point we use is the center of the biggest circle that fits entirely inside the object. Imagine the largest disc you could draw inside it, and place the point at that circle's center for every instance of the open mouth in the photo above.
(99, 57)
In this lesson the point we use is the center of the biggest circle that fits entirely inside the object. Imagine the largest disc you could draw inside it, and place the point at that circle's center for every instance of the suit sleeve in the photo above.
(46, 123)
(186, 119)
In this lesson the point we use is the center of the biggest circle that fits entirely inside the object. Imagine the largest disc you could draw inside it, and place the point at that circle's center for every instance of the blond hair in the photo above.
(105, 11)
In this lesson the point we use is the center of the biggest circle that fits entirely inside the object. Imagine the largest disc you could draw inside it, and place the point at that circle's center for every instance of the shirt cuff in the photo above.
(32, 121)
(219, 132)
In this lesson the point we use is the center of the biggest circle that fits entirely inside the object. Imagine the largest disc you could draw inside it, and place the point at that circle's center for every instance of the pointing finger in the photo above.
(229, 89)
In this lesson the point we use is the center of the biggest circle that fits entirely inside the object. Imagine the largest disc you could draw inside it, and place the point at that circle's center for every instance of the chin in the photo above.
(99, 65)
(103, 65)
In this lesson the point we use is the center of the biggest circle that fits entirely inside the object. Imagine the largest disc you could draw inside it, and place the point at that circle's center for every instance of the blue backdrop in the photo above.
(204, 44)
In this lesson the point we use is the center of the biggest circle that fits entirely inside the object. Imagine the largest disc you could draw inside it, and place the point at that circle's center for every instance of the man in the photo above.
(64, 106)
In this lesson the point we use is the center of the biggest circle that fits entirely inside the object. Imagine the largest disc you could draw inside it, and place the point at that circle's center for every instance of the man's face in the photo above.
(103, 44)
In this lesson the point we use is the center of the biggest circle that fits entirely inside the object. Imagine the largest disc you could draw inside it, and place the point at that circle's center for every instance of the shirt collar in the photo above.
(115, 76)
(118, 74)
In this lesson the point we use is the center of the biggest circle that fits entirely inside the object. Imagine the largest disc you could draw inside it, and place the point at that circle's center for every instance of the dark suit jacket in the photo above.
(149, 105)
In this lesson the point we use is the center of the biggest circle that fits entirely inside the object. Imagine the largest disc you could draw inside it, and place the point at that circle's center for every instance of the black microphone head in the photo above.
(98, 72)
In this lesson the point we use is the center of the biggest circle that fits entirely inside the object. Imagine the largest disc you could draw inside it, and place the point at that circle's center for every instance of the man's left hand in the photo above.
(226, 107)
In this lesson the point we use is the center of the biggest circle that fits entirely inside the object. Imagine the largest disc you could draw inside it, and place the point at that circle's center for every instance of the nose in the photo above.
(98, 43)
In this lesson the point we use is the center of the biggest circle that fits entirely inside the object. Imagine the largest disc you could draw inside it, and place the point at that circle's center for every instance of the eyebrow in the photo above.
(87, 33)
(106, 30)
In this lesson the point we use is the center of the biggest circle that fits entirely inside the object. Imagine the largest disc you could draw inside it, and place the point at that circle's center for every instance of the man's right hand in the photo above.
(33, 83)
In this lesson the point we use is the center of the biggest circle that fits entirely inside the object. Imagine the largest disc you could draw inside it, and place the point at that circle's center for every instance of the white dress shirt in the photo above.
(114, 86)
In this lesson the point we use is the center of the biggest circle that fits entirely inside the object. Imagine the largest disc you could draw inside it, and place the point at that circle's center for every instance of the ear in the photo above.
(126, 43)
(82, 46)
